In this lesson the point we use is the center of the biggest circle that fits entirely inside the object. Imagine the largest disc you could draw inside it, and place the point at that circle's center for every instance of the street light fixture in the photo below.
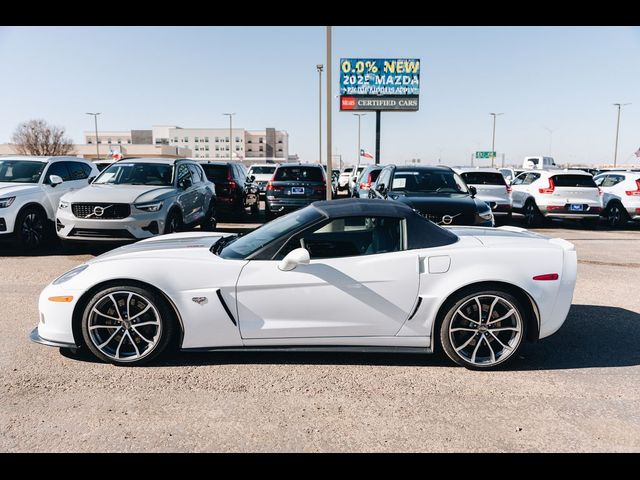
(230, 134)
(95, 118)
(320, 67)
(615, 153)
(493, 142)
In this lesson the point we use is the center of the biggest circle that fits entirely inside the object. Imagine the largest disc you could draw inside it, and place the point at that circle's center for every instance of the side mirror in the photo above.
(186, 183)
(90, 179)
(251, 178)
(299, 256)
(380, 187)
(473, 191)
(55, 180)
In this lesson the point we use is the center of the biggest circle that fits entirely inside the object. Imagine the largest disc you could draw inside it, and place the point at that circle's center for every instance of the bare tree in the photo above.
(37, 137)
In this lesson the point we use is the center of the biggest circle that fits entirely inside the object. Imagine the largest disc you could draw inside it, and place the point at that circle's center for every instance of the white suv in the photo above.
(491, 187)
(540, 194)
(262, 173)
(621, 196)
(30, 189)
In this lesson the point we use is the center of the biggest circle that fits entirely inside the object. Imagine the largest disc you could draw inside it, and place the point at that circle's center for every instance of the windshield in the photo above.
(428, 181)
(261, 170)
(137, 174)
(312, 174)
(216, 173)
(483, 178)
(573, 181)
(242, 247)
(20, 171)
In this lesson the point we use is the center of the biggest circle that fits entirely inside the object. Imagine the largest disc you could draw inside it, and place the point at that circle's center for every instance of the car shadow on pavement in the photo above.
(593, 336)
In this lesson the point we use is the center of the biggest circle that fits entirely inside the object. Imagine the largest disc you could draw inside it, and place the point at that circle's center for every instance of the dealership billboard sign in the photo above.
(380, 84)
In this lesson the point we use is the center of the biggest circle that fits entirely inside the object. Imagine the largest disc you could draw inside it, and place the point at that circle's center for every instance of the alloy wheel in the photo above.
(125, 326)
(32, 230)
(615, 216)
(485, 330)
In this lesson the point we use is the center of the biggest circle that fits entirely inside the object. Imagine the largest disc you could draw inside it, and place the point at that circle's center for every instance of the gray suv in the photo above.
(294, 186)
(138, 198)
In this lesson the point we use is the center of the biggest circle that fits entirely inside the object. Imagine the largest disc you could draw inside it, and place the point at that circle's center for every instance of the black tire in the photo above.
(162, 336)
(173, 223)
(31, 230)
(255, 209)
(616, 215)
(532, 215)
(481, 341)
(209, 223)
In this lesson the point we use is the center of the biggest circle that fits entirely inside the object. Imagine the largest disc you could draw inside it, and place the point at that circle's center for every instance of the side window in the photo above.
(616, 179)
(87, 169)
(384, 178)
(183, 174)
(195, 173)
(60, 169)
(519, 180)
(76, 171)
(530, 178)
(599, 181)
(348, 237)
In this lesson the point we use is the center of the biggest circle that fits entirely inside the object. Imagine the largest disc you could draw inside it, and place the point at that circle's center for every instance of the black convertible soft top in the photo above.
(355, 207)
(422, 233)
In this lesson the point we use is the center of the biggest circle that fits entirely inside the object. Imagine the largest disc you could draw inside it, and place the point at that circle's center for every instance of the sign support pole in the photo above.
(378, 114)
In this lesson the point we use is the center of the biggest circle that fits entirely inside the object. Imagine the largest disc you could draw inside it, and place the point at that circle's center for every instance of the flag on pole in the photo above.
(365, 154)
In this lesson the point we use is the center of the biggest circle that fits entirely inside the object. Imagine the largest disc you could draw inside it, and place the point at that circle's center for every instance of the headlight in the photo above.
(62, 204)
(65, 277)
(486, 215)
(149, 207)
(6, 201)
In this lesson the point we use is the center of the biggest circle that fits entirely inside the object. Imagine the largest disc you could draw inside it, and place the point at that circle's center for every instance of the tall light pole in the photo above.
(493, 142)
(329, 159)
(358, 157)
(319, 67)
(230, 134)
(615, 153)
(95, 118)
(550, 138)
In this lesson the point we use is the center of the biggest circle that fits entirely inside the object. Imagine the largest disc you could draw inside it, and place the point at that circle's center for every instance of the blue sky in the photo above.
(565, 79)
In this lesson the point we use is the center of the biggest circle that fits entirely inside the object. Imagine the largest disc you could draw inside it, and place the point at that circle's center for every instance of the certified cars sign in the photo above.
(379, 84)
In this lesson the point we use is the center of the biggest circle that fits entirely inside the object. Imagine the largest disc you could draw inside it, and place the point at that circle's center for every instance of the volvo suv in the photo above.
(30, 189)
(492, 188)
(294, 186)
(138, 198)
(621, 199)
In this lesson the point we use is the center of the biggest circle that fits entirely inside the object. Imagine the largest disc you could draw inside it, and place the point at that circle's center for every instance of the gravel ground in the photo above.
(576, 391)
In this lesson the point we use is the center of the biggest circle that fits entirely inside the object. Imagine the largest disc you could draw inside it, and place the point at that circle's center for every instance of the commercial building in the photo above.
(126, 150)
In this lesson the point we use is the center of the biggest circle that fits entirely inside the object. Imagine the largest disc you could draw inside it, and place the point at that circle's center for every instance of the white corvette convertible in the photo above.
(360, 275)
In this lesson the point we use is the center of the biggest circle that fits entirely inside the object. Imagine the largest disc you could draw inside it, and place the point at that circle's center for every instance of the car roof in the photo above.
(168, 161)
(478, 169)
(215, 162)
(42, 158)
(355, 207)
(425, 168)
(263, 165)
(314, 165)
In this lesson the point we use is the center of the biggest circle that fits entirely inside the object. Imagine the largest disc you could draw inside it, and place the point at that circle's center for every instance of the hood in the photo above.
(96, 193)
(163, 246)
(439, 203)
(8, 189)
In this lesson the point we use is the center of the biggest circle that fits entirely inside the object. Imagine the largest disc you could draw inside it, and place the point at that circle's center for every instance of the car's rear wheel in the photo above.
(483, 329)
(173, 223)
(209, 223)
(31, 229)
(532, 215)
(127, 325)
(616, 215)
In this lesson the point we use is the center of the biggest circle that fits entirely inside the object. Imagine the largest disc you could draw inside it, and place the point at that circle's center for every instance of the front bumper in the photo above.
(36, 338)
(55, 318)
(134, 227)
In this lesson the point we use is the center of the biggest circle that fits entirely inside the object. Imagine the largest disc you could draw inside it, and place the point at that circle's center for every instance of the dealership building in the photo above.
(248, 146)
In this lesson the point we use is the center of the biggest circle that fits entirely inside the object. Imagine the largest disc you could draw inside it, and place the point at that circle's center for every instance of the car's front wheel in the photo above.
(482, 329)
(127, 325)
(173, 223)
(31, 229)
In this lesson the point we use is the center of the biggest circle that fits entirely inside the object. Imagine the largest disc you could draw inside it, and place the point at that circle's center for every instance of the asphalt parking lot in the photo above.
(575, 391)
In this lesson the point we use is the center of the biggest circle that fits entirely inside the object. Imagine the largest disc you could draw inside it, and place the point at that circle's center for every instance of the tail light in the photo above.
(321, 189)
(509, 189)
(270, 186)
(600, 192)
(547, 276)
(636, 192)
(549, 189)
(232, 184)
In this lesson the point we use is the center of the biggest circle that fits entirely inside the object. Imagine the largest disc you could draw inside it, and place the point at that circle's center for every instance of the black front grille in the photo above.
(101, 211)
(100, 233)
(3, 225)
(453, 218)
